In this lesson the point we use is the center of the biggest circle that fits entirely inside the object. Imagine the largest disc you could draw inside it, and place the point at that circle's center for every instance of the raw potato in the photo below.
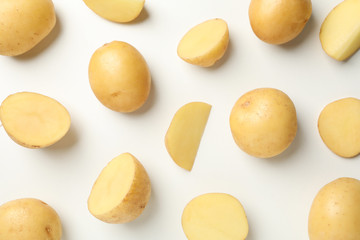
(119, 77)
(29, 219)
(34, 120)
(121, 191)
(116, 10)
(279, 21)
(339, 126)
(335, 211)
(263, 122)
(340, 31)
(24, 24)
(183, 137)
(205, 43)
(215, 216)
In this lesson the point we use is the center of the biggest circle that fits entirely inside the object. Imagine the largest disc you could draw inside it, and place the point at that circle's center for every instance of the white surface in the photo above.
(276, 193)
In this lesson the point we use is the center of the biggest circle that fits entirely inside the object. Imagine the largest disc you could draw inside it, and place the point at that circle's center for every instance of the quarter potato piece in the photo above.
(24, 24)
(339, 126)
(205, 43)
(34, 120)
(116, 10)
(340, 31)
(29, 219)
(335, 211)
(215, 216)
(183, 137)
(121, 191)
(263, 122)
(279, 21)
(119, 77)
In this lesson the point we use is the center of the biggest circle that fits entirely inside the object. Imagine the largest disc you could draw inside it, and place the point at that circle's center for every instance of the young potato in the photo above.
(279, 21)
(116, 10)
(119, 77)
(121, 191)
(34, 120)
(263, 122)
(24, 24)
(29, 219)
(339, 126)
(205, 43)
(335, 211)
(215, 216)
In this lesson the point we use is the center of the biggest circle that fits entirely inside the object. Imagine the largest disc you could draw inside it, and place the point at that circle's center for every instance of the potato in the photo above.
(29, 219)
(339, 126)
(121, 191)
(263, 122)
(205, 43)
(279, 21)
(335, 211)
(116, 10)
(34, 120)
(119, 77)
(183, 137)
(215, 216)
(340, 31)
(24, 24)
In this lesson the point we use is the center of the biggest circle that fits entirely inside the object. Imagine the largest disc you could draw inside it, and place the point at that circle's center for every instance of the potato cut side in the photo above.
(215, 216)
(116, 10)
(34, 120)
(340, 31)
(121, 191)
(339, 127)
(205, 43)
(183, 137)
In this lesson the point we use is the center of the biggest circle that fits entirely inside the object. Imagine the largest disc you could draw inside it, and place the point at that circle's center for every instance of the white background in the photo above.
(276, 193)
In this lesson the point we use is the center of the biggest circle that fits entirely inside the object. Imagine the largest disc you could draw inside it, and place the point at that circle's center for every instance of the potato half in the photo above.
(29, 219)
(215, 216)
(34, 120)
(121, 191)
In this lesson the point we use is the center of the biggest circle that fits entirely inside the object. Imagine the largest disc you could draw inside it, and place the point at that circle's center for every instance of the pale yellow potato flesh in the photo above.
(116, 10)
(205, 43)
(119, 77)
(339, 126)
(340, 31)
(215, 216)
(335, 211)
(263, 122)
(24, 24)
(121, 191)
(29, 219)
(34, 120)
(183, 137)
(279, 21)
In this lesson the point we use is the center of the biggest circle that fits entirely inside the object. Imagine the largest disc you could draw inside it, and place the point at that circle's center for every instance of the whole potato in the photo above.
(119, 77)
(24, 24)
(335, 211)
(29, 219)
(263, 122)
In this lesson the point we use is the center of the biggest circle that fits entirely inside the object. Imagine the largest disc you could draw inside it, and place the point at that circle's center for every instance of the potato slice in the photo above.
(339, 126)
(34, 120)
(205, 43)
(215, 216)
(183, 137)
(121, 191)
(116, 10)
(340, 31)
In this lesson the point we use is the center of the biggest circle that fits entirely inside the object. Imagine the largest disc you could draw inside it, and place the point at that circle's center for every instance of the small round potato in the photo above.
(119, 77)
(263, 122)
(29, 219)
(339, 126)
(23, 24)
